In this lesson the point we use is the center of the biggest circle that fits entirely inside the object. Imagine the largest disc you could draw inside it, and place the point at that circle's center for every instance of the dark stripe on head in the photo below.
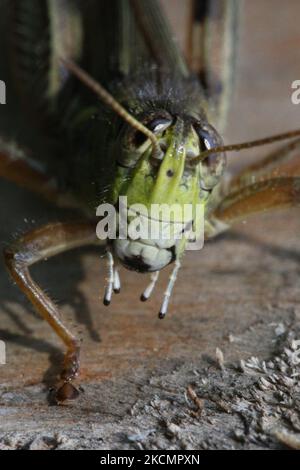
(201, 10)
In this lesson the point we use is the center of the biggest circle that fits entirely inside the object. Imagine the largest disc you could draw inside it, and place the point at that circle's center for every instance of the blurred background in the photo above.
(267, 64)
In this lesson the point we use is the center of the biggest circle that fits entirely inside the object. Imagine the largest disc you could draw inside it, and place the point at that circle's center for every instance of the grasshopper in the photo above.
(151, 136)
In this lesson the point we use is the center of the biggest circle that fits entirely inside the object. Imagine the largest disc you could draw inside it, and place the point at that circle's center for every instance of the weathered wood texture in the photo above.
(239, 294)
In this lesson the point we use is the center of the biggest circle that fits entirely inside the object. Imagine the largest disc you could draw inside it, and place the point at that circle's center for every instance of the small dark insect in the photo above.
(150, 139)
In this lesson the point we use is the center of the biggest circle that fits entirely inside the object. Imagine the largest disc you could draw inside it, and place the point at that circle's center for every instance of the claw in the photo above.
(66, 392)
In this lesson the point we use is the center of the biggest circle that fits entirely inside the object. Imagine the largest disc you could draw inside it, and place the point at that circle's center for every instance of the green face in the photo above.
(163, 189)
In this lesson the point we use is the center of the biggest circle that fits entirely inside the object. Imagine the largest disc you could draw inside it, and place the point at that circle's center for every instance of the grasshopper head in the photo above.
(163, 191)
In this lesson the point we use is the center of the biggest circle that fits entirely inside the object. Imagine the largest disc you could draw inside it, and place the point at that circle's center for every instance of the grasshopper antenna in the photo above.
(245, 145)
(110, 101)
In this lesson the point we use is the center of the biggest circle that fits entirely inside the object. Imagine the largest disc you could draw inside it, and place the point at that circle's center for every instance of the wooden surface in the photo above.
(239, 294)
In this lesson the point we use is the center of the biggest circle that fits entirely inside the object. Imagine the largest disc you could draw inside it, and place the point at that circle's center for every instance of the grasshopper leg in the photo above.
(265, 195)
(271, 183)
(17, 165)
(31, 248)
(280, 162)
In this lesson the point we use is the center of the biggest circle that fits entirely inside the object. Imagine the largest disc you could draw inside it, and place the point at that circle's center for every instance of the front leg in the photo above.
(266, 195)
(282, 162)
(35, 246)
(18, 166)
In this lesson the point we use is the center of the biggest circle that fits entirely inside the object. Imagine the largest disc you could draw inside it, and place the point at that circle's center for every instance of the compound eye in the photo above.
(135, 143)
(156, 123)
(159, 125)
(213, 167)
